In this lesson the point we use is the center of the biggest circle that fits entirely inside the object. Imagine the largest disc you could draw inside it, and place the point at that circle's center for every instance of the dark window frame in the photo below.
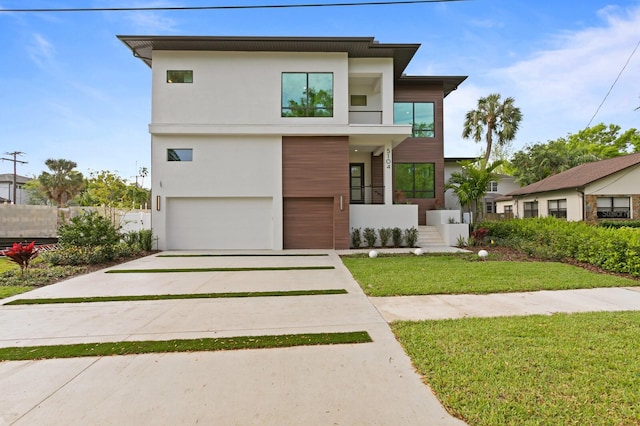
(416, 132)
(613, 212)
(530, 212)
(289, 111)
(180, 76)
(414, 192)
(556, 210)
(179, 154)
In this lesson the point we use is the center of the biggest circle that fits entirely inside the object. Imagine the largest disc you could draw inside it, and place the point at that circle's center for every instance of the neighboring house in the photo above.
(606, 189)
(496, 190)
(6, 189)
(289, 142)
(451, 165)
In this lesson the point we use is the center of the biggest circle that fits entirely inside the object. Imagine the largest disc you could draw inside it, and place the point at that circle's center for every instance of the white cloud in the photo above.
(144, 21)
(559, 88)
(41, 51)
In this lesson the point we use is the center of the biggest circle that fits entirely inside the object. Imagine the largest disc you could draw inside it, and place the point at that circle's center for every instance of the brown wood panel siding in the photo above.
(308, 223)
(318, 166)
(424, 150)
(377, 179)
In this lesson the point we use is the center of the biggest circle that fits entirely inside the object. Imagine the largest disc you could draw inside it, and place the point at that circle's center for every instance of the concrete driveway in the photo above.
(356, 384)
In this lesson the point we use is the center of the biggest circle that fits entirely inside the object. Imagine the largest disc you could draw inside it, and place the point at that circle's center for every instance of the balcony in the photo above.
(366, 195)
(365, 117)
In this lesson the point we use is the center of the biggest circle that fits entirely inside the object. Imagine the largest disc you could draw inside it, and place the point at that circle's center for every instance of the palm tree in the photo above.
(63, 183)
(492, 118)
(470, 184)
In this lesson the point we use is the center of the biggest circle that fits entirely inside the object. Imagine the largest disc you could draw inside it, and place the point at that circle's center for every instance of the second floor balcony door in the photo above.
(356, 179)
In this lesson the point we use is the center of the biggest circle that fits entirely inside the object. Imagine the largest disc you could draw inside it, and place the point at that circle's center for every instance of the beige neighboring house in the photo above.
(6, 189)
(606, 189)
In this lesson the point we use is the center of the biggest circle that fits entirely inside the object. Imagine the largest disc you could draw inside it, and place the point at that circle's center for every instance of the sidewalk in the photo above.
(416, 308)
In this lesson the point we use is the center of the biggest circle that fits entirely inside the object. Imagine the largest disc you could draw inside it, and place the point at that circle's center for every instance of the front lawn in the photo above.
(579, 369)
(464, 274)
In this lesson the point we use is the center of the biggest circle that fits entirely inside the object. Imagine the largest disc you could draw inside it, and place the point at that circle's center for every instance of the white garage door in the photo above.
(219, 223)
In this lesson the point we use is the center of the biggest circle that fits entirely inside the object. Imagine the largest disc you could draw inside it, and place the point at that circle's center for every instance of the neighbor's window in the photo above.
(179, 154)
(490, 207)
(614, 208)
(558, 208)
(307, 94)
(531, 209)
(492, 186)
(414, 180)
(419, 114)
(508, 209)
(183, 76)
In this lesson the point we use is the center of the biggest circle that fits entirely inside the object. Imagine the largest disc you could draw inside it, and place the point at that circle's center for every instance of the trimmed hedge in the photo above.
(612, 249)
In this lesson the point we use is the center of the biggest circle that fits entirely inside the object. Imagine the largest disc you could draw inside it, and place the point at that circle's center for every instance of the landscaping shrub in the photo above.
(369, 236)
(356, 238)
(411, 236)
(619, 223)
(396, 236)
(385, 236)
(479, 235)
(612, 249)
(139, 240)
(88, 230)
(22, 254)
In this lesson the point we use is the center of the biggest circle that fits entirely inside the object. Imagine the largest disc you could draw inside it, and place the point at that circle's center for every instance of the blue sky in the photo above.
(70, 89)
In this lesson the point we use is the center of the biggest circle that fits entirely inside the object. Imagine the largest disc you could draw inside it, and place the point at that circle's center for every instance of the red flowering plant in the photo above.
(22, 254)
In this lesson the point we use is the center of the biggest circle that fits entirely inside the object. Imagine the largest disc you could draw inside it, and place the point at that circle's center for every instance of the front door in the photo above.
(356, 179)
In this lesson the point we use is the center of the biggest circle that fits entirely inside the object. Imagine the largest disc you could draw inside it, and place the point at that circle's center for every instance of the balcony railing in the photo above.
(365, 117)
(366, 195)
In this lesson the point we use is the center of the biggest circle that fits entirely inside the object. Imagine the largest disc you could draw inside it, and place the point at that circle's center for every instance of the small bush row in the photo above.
(612, 249)
(71, 255)
(370, 237)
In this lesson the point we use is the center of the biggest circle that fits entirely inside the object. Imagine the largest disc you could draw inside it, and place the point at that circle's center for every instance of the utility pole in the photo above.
(15, 162)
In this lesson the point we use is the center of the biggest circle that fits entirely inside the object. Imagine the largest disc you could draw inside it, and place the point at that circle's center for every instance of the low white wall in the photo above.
(402, 216)
(450, 232)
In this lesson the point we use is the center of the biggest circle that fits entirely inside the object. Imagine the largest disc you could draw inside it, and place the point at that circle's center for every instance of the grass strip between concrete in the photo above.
(245, 255)
(134, 298)
(181, 345)
(265, 268)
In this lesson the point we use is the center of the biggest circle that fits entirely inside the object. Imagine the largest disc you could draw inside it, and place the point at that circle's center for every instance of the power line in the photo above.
(614, 83)
(273, 6)
(15, 161)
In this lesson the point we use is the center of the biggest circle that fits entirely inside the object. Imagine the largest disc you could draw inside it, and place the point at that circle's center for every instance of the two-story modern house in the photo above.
(289, 142)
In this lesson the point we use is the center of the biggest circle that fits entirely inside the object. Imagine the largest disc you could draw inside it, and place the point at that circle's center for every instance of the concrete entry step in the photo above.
(429, 236)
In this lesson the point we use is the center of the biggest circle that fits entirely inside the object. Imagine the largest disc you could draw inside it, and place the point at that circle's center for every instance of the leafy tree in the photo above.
(492, 118)
(63, 183)
(313, 104)
(470, 184)
(34, 191)
(599, 142)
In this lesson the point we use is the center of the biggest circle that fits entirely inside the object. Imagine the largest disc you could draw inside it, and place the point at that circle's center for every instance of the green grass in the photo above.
(244, 255)
(456, 274)
(7, 265)
(578, 369)
(146, 297)
(12, 290)
(266, 268)
(181, 345)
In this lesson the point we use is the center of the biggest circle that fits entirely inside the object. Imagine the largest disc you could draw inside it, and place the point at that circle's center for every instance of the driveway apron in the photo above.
(350, 384)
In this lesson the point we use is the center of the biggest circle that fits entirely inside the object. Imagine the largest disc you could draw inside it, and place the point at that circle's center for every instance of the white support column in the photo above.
(388, 173)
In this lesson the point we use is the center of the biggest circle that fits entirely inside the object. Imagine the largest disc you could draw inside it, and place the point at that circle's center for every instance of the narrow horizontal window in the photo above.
(180, 154)
(180, 76)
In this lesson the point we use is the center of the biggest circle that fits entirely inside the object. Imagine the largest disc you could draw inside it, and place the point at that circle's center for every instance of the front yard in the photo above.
(534, 370)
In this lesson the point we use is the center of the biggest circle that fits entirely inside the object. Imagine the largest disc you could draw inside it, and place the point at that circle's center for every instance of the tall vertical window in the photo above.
(307, 94)
(614, 208)
(558, 208)
(420, 115)
(531, 209)
(414, 180)
(182, 76)
(492, 186)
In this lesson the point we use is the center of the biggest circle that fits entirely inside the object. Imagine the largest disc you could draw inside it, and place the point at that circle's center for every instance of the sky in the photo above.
(70, 89)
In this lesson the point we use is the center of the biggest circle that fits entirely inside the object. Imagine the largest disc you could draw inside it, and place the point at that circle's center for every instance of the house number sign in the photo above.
(388, 160)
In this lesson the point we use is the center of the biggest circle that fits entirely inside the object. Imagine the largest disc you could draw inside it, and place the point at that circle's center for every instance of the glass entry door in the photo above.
(356, 179)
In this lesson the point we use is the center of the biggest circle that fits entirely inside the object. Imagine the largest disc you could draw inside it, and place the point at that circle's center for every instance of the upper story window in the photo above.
(414, 180)
(359, 100)
(492, 186)
(531, 209)
(307, 94)
(614, 208)
(419, 114)
(179, 154)
(558, 208)
(179, 76)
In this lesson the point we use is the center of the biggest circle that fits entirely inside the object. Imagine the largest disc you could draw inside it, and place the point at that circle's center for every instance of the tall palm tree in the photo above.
(63, 183)
(492, 118)
(470, 184)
